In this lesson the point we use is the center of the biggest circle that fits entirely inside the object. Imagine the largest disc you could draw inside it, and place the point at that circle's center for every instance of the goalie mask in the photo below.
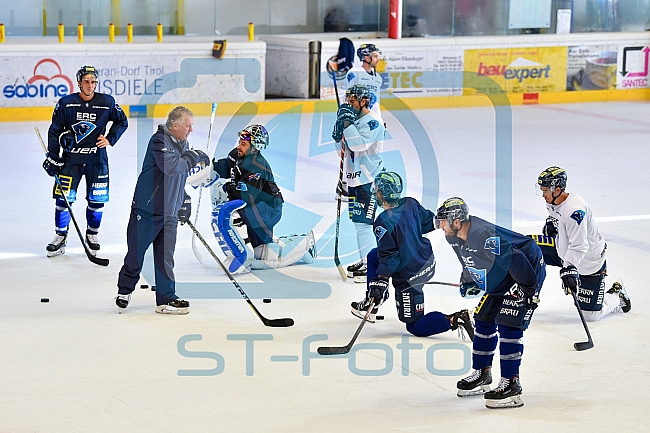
(257, 135)
(451, 209)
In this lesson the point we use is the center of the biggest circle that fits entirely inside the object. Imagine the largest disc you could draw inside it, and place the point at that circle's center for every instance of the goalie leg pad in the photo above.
(227, 236)
(286, 251)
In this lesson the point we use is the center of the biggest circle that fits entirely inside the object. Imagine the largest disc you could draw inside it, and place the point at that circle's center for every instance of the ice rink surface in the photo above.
(75, 365)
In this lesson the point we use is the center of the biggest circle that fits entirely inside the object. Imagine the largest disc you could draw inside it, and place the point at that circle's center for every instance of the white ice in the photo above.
(75, 365)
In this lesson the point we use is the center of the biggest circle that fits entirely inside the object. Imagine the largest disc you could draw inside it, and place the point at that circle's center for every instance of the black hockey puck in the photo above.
(379, 317)
(266, 300)
(153, 288)
(45, 299)
(144, 286)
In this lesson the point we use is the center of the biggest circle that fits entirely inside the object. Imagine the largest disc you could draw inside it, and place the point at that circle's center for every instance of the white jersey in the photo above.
(578, 241)
(358, 75)
(364, 145)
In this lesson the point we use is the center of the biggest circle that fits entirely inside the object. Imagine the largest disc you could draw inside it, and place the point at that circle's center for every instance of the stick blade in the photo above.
(195, 250)
(327, 350)
(97, 260)
(585, 345)
(344, 276)
(279, 323)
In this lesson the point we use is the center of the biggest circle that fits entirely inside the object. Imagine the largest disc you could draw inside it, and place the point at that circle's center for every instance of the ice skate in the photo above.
(122, 301)
(177, 307)
(626, 304)
(477, 383)
(359, 309)
(93, 243)
(57, 246)
(460, 320)
(357, 272)
(506, 395)
(354, 267)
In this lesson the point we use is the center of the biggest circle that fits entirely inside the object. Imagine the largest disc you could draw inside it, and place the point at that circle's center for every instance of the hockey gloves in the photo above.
(469, 290)
(570, 279)
(344, 117)
(52, 164)
(185, 211)
(195, 156)
(378, 289)
(550, 228)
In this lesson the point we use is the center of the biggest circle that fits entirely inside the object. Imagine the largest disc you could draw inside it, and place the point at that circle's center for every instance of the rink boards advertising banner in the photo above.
(37, 81)
(519, 70)
(633, 67)
(591, 67)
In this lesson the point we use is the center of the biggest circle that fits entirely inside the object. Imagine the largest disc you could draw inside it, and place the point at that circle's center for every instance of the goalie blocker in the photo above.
(240, 257)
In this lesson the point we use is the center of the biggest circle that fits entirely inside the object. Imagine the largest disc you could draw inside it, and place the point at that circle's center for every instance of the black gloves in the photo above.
(195, 156)
(52, 164)
(550, 227)
(378, 289)
(185, 211)
(570, 279)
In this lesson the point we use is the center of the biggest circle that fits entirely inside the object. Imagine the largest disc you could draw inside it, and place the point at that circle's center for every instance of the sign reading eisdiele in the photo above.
(517, 70)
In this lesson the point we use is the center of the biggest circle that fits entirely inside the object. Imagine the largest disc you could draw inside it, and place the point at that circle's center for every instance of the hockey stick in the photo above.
(198, 205)
(584, 345)
(342, 350)
(440, 283)
(337, 261)
(275, 323)
(91, 257)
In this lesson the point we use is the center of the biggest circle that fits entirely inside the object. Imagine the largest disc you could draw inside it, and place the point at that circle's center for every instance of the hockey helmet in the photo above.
(390, 185)
(359, 91)
(553, 177)
(451, 209)
(86, 70)
(367, 50)
(257, 135)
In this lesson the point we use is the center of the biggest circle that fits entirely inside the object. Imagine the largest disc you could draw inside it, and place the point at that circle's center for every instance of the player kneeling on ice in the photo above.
(247, 204)
(159, 204)
(509, 268)
(404, 254)
(572, 242)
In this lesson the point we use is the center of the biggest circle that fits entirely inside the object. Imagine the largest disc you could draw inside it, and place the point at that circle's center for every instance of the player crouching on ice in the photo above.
(510, 269)
(404, 254)
(247, 204)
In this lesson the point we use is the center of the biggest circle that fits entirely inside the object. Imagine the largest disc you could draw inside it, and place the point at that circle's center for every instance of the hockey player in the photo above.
(159, 204)
(404, 254)
(77, 147)
(573, 243)
(248, 184)
(366, 74)
(509, 269)
(362, 136)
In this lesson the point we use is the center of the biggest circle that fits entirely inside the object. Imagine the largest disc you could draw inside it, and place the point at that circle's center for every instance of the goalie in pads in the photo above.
(247, 204)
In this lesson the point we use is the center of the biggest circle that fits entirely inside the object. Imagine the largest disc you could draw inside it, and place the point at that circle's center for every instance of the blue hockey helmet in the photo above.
(390, 185)
(451, 209)
(367, 50)
(257, 135)
(553, 177)
(86, 70)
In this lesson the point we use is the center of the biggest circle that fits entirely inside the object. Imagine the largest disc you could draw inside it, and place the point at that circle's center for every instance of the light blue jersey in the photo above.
(358, 75)
(363, 151)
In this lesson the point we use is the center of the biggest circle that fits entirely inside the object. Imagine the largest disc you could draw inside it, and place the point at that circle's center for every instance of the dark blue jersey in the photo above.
(401, 246)
(496, 258)
(86, 121)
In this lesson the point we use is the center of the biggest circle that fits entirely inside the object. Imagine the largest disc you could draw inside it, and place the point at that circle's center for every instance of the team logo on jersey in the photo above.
(578, 216)
(350, 76)
(494, 245)
(373, 124)
(255, 176)
(82, 130)
(478, 275)
(380, 232)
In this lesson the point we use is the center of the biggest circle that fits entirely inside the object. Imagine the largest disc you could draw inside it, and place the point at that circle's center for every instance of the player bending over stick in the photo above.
(404, 254)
